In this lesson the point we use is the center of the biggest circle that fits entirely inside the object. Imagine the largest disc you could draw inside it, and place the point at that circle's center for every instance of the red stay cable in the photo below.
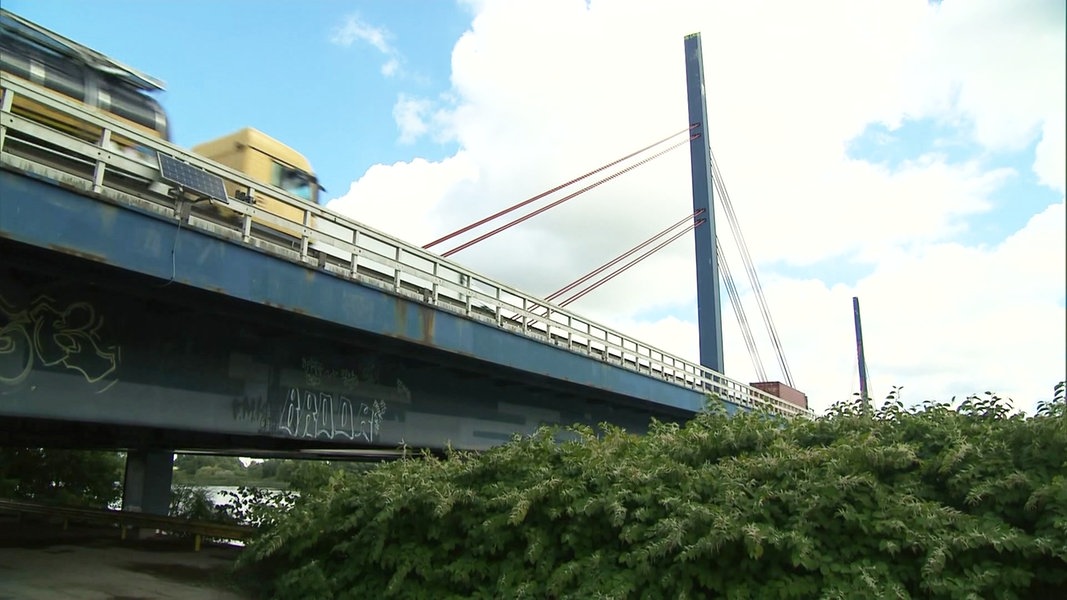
(631, 263)
(555, 189)
(564, 199)
(619, 258)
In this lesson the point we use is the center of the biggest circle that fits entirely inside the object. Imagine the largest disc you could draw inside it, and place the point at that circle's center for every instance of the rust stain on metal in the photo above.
(286, 307)
(78, 253)
(427, 315)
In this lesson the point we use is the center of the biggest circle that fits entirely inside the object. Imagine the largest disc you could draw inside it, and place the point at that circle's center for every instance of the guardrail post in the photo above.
(98, 169)
(396, 270)
(6, 97)
(355, 254)
(434, 286)
(304, 236)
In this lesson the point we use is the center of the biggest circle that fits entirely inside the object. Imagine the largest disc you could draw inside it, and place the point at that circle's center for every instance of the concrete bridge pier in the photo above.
(146, 483)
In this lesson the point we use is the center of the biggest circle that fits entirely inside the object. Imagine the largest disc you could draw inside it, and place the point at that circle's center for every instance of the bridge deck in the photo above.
(90, 200)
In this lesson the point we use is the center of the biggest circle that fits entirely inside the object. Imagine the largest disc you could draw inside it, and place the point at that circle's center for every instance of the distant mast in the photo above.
(859, 355)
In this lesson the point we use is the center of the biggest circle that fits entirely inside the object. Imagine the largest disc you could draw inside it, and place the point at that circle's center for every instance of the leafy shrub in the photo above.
(60, 476)
(259, 507)
(192, 502)
(933, 502)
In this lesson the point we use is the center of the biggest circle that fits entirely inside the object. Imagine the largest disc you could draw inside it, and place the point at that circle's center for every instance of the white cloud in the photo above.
(390, 67)
(992, 55)
(546, 90)
(355, 29)
(1051, 155)
(410, 116)
(385, 198)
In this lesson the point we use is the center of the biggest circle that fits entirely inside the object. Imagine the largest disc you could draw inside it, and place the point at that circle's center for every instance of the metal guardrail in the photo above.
(98, 167)
(126, 520)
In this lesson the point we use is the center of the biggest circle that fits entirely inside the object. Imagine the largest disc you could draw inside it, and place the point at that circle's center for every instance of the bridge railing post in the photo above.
(569, 321)
(246, 227)
(499, 317)
(354, 262)
(7, 96)
(396, 270)
(434, 288)
(306, 222)
(100, 166)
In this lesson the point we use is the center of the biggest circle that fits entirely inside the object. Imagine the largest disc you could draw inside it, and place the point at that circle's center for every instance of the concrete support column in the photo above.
(146, 484)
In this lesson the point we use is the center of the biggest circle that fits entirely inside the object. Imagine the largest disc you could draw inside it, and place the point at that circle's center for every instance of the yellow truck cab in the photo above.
(267, 160)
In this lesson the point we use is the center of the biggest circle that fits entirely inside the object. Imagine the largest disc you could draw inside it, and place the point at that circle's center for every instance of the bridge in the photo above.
(137, 312)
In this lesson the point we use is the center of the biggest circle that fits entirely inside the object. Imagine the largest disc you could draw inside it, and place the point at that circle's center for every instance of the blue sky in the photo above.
(272, 65)
(909, 153)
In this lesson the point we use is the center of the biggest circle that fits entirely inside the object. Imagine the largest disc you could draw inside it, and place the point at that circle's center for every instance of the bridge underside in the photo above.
(97, 356)
(118, 328)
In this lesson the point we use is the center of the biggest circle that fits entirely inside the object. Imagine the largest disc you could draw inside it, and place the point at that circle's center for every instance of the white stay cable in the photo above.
(746, 258)
(739, 312)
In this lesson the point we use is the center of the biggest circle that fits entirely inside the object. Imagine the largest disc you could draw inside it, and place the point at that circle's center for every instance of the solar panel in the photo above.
(193, 179)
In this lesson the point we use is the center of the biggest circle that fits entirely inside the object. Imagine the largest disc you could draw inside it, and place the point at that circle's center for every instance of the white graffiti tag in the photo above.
(312, 414)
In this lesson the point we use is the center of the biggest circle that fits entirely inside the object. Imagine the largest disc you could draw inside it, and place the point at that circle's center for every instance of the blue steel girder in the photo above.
(42, 215)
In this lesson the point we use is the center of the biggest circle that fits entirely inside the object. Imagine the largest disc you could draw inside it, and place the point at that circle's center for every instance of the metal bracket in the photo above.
(183, 209)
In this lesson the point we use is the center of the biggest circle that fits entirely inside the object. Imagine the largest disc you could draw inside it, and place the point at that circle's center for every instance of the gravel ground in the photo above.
(39, 561)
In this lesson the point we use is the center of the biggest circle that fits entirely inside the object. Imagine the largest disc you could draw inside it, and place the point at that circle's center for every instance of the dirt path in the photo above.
(39, 560)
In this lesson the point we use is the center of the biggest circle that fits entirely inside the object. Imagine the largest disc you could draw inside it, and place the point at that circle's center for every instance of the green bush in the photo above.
(191, 502)
(936, 501)
(58, 476)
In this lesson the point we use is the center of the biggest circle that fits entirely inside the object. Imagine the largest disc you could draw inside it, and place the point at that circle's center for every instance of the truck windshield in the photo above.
(295, 181)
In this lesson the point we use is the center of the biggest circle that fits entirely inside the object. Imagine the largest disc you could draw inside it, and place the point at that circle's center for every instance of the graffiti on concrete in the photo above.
(312, 414)
(252, 409)
(52, 335)
(316, 374)
(338, 403)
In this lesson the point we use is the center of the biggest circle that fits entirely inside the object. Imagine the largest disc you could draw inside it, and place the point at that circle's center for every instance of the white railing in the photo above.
(321, 238)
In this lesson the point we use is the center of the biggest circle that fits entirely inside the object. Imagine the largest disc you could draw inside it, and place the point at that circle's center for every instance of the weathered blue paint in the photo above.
(709, 306)
(442, 377)
(85, 343)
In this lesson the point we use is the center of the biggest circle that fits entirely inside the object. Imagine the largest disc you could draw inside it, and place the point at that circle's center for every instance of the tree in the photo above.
(937, 501)
(76, 477)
